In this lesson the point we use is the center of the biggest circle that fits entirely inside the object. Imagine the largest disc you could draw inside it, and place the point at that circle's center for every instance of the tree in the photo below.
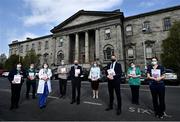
(12, 61)
(30, 57)
(171, 49)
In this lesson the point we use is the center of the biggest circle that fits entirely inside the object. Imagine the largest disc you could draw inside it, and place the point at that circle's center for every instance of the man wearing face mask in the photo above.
(62, 75)
(155, 73)
(75, 74)
(114, 73)
(16, 78)
(31, 81)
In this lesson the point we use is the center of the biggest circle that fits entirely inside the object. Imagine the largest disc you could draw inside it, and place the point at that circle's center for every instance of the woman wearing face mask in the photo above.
(44, 86)
(16, 78)
(134, 74)
(155, 73)
(94, 76)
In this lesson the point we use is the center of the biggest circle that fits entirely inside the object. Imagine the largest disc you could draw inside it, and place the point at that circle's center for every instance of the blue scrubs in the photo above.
(43, 97)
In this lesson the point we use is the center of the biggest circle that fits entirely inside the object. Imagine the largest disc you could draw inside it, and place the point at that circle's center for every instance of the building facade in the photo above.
(96, 35)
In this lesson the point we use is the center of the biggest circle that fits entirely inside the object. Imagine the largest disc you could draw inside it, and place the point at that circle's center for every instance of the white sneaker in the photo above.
(94, 96)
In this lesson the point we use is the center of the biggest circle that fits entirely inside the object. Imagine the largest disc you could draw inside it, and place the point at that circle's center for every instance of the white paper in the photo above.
(111, 72)
(45, 76)
(156, 73)
(133, 72)
(17, 79)
(63, 70)
(77, 72)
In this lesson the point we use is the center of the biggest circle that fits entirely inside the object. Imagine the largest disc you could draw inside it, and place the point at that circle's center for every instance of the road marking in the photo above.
(92, 103)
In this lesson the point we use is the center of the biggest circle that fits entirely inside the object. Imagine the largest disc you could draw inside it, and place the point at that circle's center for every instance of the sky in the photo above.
(20, 19)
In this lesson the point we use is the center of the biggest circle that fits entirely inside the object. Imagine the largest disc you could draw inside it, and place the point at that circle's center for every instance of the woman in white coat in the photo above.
(44, 86)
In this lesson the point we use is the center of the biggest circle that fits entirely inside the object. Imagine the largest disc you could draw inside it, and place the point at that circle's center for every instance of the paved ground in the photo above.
(89, 109)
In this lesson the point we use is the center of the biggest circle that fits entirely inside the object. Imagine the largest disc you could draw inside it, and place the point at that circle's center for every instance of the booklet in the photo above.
(111, 72)
(156, 73)
(63, 70)
(17, 79)
(77, 72)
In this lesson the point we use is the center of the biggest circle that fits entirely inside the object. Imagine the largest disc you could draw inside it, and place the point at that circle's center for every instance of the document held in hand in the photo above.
(77, 72)
(111, 72)
(63, 70)
(156, 73)
(17, 79)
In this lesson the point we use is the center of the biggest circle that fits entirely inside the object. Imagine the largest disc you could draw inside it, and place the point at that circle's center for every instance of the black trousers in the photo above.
(62, 86)
(114, 85)
(76, 86)
(135, 93)
(15, 94)
(28, 88)
(158, 98)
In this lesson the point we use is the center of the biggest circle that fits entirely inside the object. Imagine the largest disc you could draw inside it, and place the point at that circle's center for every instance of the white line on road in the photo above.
(92, 103)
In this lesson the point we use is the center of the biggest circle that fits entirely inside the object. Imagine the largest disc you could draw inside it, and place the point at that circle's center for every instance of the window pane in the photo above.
(130, 53)
(148, 52)
(167, 23)
(107, 34)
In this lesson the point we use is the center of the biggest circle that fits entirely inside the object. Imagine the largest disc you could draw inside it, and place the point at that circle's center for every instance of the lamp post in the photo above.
(144, 48)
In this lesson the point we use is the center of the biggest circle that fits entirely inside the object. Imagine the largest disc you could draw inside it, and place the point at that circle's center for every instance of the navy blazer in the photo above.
(117, 69)
(72, 72)
(14, 72)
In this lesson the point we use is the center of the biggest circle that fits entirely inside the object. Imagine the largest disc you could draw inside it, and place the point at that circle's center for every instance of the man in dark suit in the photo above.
(16, 78)
(114, 73)
(75, 74)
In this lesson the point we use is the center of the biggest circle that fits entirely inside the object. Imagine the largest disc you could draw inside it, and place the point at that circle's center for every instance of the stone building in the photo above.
(96, 35)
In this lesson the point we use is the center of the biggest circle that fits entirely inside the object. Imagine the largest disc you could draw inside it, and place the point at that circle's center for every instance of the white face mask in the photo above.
(132, 66)
(45, 66)
(95, 65)
(31, 67)
(18, 66)
(154, 62)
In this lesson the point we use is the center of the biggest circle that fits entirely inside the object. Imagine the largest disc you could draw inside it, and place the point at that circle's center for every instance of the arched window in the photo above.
(60, 57)
(108, 52)
(130, 52)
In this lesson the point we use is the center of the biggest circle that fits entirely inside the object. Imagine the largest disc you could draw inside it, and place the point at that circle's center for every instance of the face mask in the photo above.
(133, 66)
(18, 67)
(31, 67)
(95, 65)
(75, 64)
(62, 63)
(45, 67)
(154, 62)
(113, 60)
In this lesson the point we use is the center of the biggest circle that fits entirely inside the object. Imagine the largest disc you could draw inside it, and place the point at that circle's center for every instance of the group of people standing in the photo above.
(155, 74)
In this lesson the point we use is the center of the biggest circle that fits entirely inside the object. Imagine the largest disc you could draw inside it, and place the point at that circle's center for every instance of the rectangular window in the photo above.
(129, 30)
(21, 49)
(27, 48)
(107, 34)
(146, 27)
(33, 46)
(61, 42)
(167, 23)
(39, 45)
(148, 52)
(46, 45)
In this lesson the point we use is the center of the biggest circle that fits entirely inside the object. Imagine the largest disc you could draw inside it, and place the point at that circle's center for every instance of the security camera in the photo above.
(144, 30)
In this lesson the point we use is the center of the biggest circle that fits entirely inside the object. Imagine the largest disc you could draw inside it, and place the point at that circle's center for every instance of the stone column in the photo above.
(77, 47)
(97, 41)
(86, 47)
(67, 48)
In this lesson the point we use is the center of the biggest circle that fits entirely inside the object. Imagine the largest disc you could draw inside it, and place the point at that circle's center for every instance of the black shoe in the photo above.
(16, 106)
(118, 112)
(60, 96)
(11, 108)
(72, 102)
(109, 108)
(78, 102)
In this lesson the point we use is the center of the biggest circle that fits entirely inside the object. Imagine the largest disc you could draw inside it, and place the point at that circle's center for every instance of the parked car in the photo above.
(5, 74)
(170, 77)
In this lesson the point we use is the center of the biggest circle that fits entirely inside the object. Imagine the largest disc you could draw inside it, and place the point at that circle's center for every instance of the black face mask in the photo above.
(113, 60)
(76, 64)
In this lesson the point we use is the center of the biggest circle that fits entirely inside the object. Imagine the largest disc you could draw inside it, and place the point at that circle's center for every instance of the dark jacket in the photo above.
(15, 72)
(118, 71)
(72, 72)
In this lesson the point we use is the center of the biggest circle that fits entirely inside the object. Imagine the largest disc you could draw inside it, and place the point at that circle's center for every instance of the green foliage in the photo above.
(12, 61)
(30, 57)
(171, 48)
